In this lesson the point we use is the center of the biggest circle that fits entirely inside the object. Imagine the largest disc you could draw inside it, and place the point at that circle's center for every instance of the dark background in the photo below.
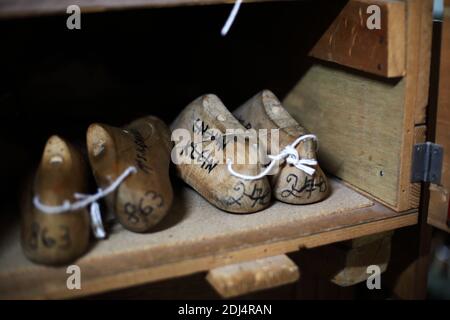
(122, 65)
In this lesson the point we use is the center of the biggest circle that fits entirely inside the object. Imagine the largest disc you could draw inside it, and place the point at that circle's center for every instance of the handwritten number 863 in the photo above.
(41, 235)
(133, 211)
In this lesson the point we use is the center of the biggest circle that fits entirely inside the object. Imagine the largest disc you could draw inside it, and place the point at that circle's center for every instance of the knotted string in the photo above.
(288, 154)
(84, 200)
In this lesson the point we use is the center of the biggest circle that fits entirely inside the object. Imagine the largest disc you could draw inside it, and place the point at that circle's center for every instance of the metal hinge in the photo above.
(427, 163)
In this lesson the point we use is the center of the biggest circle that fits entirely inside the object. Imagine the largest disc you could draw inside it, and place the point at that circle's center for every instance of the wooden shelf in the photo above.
(14, 8)
(197, 237)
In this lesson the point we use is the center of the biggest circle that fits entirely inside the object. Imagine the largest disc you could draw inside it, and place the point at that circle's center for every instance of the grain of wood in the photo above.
(348, 40)
(251, 276)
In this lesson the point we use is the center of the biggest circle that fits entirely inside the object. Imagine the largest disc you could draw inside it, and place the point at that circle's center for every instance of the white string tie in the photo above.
(288, 154)
(231, 18)
(84, 200)
(96, 221)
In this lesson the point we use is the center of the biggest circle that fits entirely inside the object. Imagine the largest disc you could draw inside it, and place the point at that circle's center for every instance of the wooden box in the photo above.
(363, 91)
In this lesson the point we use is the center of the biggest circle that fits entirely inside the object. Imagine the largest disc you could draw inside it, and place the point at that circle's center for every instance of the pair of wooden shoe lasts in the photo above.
(247, 187)
(56, 221)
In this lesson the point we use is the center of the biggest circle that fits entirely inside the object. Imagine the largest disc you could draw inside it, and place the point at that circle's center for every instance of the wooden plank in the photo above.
(415, 65)
(123, 278)
(411, 249)
(415, 188)
(346, 262)
(439, 195)
(348, 41)
(354, 261)
(13, 8)
(360, 123)
(342, 265)
(251, 276)
(419, 38)
(198, 237)
(377, 116)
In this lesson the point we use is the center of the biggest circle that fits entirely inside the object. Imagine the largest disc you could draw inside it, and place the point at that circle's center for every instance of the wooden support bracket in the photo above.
(358, 254)
(243, 278)
(345, 263)
(350, 42)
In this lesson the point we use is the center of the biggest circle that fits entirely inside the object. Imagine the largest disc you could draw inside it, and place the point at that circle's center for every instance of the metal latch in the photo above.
(427, 163)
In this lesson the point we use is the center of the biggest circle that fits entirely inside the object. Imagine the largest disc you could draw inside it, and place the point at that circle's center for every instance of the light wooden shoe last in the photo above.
(59, 238)
(208, 173)
(289, 184)
(145, 197)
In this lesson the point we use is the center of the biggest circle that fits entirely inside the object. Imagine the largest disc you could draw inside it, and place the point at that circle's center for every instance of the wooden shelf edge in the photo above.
(13, 9)
(204, 263)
